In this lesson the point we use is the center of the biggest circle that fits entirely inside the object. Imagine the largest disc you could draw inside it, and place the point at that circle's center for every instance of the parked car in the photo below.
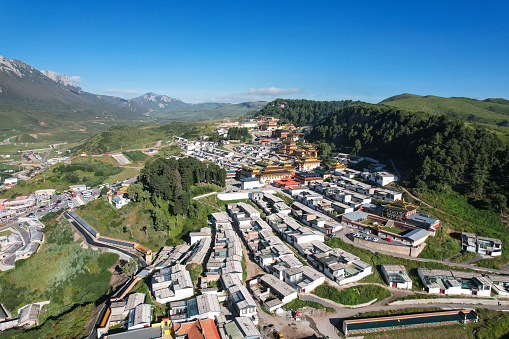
(388, 239)
(375, 239)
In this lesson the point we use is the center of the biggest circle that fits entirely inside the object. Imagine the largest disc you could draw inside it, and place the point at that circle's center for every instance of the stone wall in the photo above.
(403, 250)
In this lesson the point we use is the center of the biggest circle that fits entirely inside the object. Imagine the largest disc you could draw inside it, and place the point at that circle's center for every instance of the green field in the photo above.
(69, 325)
(472, 110)
(299, 304)
(125, 138)
(134, 222)
(456, 212)
(355, 295)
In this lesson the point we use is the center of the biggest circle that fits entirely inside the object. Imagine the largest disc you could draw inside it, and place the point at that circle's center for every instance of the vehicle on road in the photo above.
(388, 239)
(278, 335)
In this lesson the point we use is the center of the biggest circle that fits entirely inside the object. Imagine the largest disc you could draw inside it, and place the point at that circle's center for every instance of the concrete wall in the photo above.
(403, 250)
(239, 195)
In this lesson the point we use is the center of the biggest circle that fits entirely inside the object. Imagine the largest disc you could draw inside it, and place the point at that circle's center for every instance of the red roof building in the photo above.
(199, 329)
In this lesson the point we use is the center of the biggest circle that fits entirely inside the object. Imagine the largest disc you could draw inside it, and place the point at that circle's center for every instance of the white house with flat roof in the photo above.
(454, 282)
(204, 232)
(304, 279)
(250, 183)
(281, 290)
(396, 276)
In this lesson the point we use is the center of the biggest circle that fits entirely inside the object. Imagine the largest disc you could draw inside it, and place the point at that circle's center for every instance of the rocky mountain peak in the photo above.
(61, 79)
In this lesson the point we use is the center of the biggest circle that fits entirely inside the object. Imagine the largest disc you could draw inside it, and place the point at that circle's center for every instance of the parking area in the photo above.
(366, 235)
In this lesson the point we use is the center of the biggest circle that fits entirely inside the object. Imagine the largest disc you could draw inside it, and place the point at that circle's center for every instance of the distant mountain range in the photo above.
(45, 102)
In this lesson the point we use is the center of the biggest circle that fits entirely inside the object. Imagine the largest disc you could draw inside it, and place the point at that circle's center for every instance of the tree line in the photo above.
(302, 112)
(234, 133)
(167, 183)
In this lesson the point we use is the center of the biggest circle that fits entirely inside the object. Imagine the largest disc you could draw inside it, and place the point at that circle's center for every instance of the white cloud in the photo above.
(271, 91)
(257, 94)
(75, 78)
(122, 91)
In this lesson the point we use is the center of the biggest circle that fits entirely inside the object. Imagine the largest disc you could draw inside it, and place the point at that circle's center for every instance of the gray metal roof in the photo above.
(141, 333)
(277, 285)
(416, 234)
(247, 328)
(355, 215)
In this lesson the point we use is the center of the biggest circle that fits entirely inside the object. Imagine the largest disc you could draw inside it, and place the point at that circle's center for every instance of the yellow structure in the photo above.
(288, 147)
(268, 171)
(336, 166)
(307, 163)
(398, 210)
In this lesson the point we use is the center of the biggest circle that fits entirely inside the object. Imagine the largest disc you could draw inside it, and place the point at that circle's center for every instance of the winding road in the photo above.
(91, 241)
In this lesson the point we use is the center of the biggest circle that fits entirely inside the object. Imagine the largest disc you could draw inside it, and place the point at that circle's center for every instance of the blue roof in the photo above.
(356, 215)
(422, 218)
(416, 234)
(116, 242)
(250, 179)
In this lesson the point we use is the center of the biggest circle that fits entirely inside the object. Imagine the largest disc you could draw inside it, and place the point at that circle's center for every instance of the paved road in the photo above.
(46, 155)
(328, 324)
(91, 241)
(7, 141)
(22, 232)
(204, 195)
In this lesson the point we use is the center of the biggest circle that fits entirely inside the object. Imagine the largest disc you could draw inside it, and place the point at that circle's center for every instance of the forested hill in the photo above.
(439, 151)
(302, 112)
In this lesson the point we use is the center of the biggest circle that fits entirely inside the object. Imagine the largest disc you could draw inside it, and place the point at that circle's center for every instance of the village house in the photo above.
(396, 276)
(454, 282)
(483, 245)
(203, 306)
(304, 279)
(172, 283)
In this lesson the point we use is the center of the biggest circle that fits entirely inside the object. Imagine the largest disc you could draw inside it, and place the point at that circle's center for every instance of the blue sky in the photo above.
(232, 51)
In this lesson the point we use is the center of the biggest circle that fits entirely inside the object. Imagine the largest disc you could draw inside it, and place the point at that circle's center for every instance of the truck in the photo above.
(278, 335)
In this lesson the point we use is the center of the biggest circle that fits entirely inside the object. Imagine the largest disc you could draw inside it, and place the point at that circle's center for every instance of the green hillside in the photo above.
(121, 138)
(494, 112)
(62, 271)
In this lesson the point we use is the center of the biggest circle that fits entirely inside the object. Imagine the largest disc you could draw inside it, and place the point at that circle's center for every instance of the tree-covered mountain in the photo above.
(438, 151)
(302, 112)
